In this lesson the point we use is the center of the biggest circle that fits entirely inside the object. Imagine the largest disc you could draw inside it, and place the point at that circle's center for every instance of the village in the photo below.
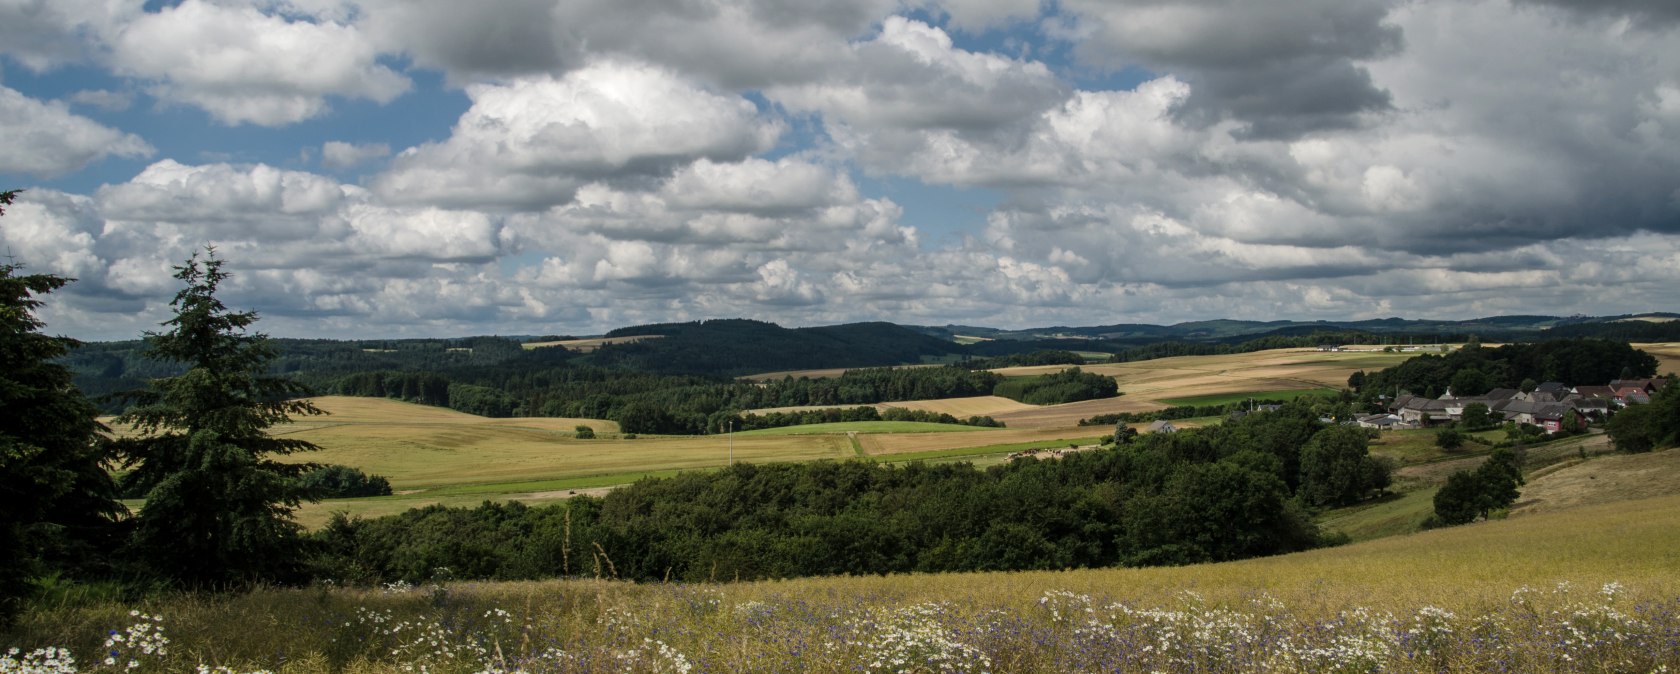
(1551, 406)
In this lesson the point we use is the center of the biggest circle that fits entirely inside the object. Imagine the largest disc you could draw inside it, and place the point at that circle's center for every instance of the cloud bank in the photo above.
(626, 162)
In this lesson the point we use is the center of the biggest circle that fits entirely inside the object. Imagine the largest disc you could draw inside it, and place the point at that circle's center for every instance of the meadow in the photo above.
(1589, 589)
(1229, 398)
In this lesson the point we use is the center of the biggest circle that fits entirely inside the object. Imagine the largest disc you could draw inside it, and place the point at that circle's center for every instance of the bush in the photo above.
(1449, 439)
(585, 432)
(336, 481)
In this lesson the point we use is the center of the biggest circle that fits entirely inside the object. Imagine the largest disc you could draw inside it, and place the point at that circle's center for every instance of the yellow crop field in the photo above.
(1601, 480)
(419, 447)
(1144, 384)
(1667, 354)
(990, 406)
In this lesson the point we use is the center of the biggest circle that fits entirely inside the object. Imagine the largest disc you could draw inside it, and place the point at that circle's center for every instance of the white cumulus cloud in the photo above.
(532, 142)
(245, 66)
(45, 139)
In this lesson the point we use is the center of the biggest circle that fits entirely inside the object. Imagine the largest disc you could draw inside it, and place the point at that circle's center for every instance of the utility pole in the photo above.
(731, 442)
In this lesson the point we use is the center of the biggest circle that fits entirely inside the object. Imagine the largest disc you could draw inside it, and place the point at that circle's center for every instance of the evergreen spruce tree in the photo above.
(218, 510)
(56, 499)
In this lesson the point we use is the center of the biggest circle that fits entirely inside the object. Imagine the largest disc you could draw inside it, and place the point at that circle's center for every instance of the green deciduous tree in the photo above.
(1477, 417)
(218, 507)
(1469, 495)
(1337, 468)
(56, 499)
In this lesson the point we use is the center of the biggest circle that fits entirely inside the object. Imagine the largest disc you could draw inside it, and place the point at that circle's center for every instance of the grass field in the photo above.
(1228, 398)
(435, 455)
(1417, 445)
(977, 406)
(1589, 589)
(890, 444)
(864, 427)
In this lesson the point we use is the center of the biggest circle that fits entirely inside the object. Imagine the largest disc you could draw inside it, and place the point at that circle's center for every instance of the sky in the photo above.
(409, 168)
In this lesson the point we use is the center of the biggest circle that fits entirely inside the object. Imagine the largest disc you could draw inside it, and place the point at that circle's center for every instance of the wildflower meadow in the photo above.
(599, 626)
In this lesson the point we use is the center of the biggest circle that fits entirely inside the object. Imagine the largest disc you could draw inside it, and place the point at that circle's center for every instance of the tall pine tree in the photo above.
(56, 500)
(218, 510)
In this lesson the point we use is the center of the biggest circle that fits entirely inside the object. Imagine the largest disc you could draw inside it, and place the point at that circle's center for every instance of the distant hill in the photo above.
(735, 347)
(1655, 326)
(739, 347)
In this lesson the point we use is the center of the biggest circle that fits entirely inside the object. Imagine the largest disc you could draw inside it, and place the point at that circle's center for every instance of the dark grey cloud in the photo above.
(1286, 98)
(505, 38)
(1285, 68)
(736, 43)
(1661, 11)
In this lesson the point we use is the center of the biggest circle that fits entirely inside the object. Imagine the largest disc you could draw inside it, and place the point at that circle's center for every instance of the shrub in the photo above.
(1449, 439)
(336, 481)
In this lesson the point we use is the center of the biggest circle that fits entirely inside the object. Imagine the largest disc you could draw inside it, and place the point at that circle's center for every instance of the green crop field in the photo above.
(1228, 398)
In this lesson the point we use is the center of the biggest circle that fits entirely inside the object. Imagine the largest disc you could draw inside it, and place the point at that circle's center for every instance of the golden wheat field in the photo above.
(1667, 354)
(1601, 480)
(420, 447)
(436, 455)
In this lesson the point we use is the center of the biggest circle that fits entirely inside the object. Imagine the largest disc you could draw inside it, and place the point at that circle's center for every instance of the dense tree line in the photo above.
(736, 347)
(103, 370)
(1067, 386)
(645, 402)
(1474, 369)
(1627, 331)
(751, 422)
(426, 388)
(1214, 494)
(1321, 404)
(1029, 359)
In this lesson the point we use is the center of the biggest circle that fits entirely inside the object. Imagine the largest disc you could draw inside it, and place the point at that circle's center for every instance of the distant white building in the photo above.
(1162, 426)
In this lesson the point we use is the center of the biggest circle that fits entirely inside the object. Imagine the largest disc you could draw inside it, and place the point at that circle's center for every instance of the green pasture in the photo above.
(864, 427)
(1228, 398)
